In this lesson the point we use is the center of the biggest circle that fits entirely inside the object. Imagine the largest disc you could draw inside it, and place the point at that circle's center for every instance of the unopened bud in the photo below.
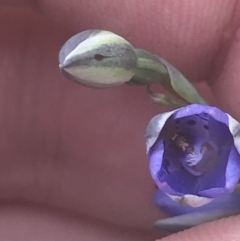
(98, 59)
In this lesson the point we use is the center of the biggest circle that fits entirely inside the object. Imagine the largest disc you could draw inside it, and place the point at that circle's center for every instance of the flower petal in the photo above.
(193, 109)
(211, 184)
(234, 127)
(193, 124)
(172, 208)
(155, 160)
(155, 167)
(191, 200)
(233, 170)
(206, 126)
(168, 174)
(219, 133)
(186, 221)
(167, 205)
(180, 182)
(154, 128)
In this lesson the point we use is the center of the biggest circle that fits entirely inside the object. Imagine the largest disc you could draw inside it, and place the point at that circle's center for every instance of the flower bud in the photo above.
(98, 59)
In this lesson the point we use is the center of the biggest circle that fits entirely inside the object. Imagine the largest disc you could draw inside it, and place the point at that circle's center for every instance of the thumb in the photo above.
(224, 229)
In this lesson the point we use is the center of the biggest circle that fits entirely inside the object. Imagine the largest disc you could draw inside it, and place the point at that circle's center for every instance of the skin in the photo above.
(73, 163)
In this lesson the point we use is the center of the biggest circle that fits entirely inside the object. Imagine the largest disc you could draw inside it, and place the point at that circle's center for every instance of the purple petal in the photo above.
(186, 221)
(233, 170)
(167, 205)
(194, 124)
(212, 183)
(155, 157)
(155, 126)
(206, 126)
(219, 133)
(168, 173)
(194, 109)
(181, 182)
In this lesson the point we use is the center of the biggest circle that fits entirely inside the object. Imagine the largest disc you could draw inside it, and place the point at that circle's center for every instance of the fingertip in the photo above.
(224, 229)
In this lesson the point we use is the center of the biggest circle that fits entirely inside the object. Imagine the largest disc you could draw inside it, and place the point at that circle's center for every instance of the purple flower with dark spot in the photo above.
(194, 160)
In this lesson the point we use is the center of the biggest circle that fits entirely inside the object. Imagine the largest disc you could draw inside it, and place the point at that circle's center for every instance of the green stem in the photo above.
(143, 63)
(153, 69)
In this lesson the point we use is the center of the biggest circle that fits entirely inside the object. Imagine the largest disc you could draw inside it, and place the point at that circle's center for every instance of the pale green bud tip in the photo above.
(98, 59)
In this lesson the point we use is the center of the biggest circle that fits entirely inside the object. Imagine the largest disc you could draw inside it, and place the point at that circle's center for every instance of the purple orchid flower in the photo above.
(194, 160)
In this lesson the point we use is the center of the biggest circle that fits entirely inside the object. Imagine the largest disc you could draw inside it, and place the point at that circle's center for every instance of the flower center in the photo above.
(196, 154)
